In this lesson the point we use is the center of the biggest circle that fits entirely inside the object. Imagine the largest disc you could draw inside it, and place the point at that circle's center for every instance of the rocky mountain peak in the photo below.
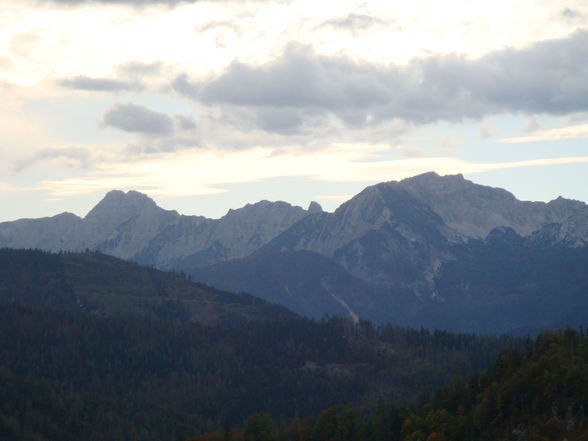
(262, 208)
(562, 203)
(433, 186)
(314, 207)
(117, 202)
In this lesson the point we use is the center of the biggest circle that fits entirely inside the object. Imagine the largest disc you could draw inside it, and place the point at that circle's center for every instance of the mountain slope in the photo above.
(382, 236)
(392, 252)
(78, 376)
(541, 394)
(106, 286)
(303, 281)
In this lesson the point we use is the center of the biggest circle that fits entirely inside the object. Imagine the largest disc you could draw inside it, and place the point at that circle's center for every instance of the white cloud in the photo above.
(194, 172)
(570, 132)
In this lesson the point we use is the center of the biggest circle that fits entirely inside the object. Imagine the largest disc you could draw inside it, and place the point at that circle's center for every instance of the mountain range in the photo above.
(433, 251)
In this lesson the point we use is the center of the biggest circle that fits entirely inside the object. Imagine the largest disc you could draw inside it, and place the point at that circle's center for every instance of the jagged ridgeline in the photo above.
(434, 251)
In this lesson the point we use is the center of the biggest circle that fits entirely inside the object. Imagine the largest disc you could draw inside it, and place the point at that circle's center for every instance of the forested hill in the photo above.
(539, 396)
(66, 376)
(104, 285)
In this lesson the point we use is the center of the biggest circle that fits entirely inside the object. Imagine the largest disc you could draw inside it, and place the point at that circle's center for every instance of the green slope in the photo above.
(103, 285)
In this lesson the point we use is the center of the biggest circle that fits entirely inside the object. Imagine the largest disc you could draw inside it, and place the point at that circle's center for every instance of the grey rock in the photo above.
(315, 207)
(131, 226)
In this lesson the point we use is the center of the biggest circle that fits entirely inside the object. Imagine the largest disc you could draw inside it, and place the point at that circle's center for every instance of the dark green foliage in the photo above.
(540, 396)
(103, 285)
(64, 374)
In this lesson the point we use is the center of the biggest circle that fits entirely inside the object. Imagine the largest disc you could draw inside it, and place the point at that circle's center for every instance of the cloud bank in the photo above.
(545, 78)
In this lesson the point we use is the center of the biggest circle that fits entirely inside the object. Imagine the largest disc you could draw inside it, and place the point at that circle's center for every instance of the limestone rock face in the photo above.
(473, 210)
(382, 235)
(400, 233)
(47, 233)
(131, 226)
(121, 225)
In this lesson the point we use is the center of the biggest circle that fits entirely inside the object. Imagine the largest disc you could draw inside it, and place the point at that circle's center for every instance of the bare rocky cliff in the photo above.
(131, 226)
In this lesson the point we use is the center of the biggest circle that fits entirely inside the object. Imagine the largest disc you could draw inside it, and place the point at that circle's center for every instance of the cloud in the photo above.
(570, 14)
(140, 68)
(159, 131)
(185, 122)
(547, 77)
(571, 132)
(81, 82)
(199, 172)
(183, 86)
(163, 145)
(531, 125)
(355, 23)
(138, 119)
(74, 157)
(486, 131)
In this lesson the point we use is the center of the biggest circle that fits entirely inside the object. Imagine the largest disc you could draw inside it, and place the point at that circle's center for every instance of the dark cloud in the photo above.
(138, 119)
(547, 77)
(183, 86)
(282, 121)
(98, 84)
(185, 122)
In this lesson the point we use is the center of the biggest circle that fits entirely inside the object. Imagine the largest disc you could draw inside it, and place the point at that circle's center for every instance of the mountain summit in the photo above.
(437, 251)
(131, 226)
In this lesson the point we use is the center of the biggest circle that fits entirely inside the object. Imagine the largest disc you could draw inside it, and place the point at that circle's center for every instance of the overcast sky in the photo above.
(209, 105)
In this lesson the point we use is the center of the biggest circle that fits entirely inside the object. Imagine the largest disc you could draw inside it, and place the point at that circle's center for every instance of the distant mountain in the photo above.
(404, 230)
(131, 226)
(303, 281)
(415, 252)
(106, 286)
(432, 251)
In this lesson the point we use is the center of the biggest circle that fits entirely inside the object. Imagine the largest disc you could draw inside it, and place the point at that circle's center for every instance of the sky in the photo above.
(206, 105)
